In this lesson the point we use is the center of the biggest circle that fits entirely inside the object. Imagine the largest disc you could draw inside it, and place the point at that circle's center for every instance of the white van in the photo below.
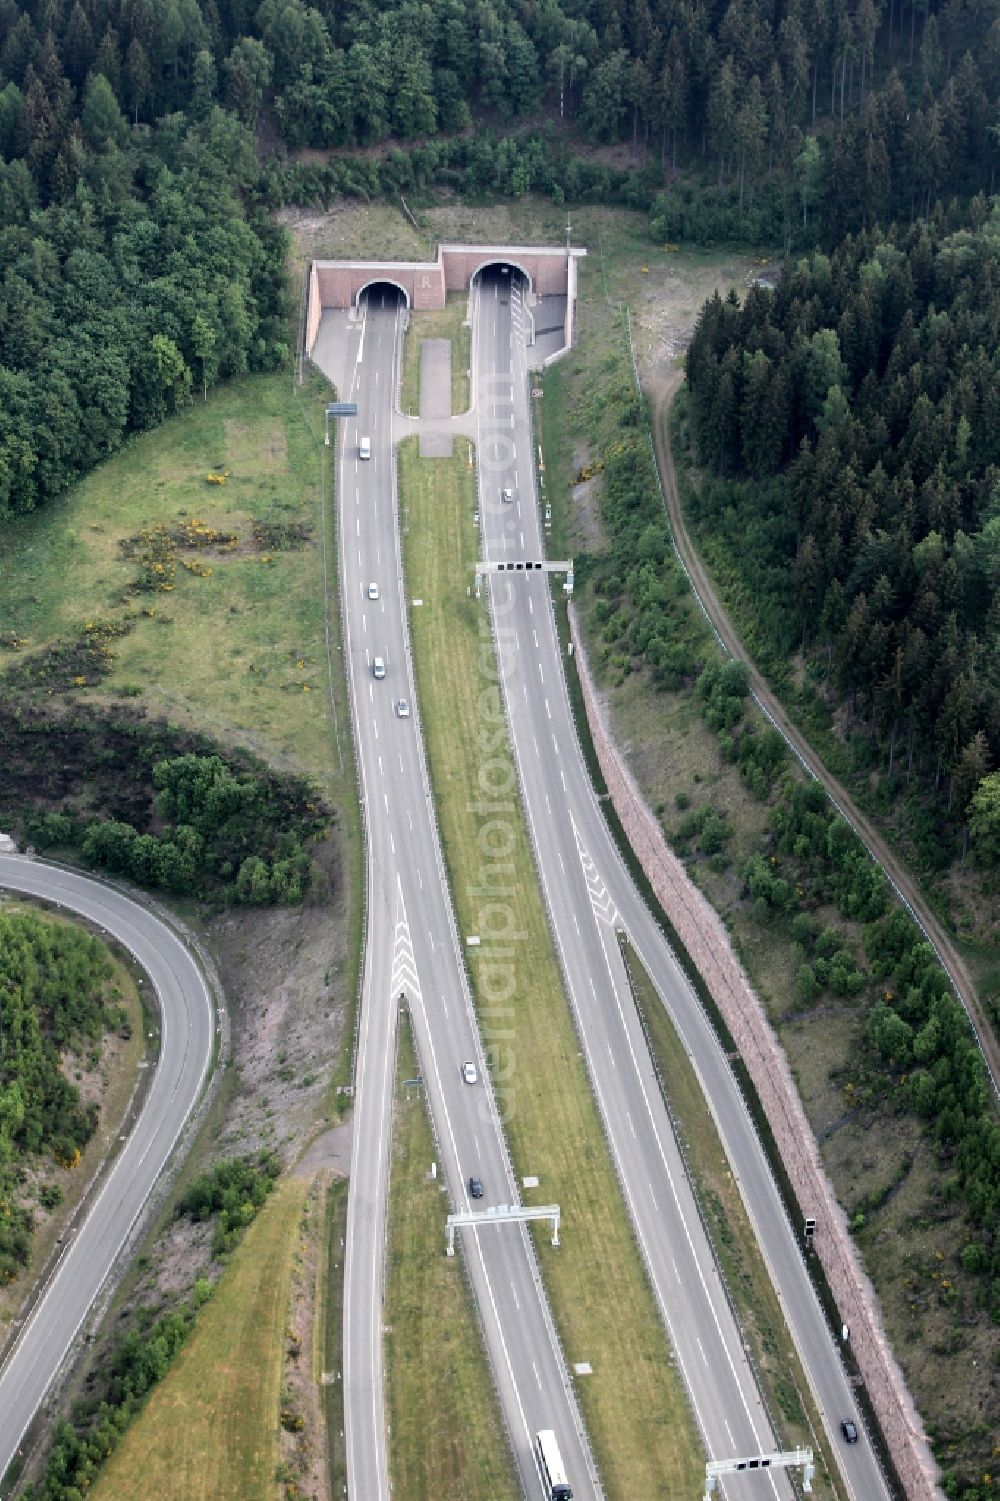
(378, 668)
(365, 448)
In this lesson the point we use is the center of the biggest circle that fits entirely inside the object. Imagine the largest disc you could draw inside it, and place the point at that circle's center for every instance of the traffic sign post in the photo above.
(338, 409)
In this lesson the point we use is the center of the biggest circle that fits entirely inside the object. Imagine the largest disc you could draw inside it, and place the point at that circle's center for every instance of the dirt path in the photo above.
(661, 391)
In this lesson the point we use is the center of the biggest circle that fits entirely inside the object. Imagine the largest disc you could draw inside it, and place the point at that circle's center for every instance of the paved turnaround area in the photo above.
(186, 1040)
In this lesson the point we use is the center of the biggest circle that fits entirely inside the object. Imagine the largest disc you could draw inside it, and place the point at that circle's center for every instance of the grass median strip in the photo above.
(633, 1402)
(447, 1440)
(210, 1430)
(757, 1308)
(445, 323)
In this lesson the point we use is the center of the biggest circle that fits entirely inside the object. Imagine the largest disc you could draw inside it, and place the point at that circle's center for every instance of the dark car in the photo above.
(475, 1188)
(849, 1430)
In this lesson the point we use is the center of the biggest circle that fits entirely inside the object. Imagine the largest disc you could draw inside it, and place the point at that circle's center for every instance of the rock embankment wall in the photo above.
(704, 935)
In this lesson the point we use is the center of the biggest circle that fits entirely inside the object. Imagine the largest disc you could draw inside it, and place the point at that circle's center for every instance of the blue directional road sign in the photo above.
(342, 409)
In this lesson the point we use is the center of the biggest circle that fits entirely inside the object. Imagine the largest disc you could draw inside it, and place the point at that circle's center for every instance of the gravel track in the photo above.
(661, 392)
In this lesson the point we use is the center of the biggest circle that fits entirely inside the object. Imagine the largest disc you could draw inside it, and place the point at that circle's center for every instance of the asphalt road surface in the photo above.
(412, 950)
(186, 1041)
(590, 894)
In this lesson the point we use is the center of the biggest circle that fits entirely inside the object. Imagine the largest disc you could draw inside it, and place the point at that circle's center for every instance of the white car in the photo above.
(373, 591)
(378, 668)
(470, 1073)
(507, 495)
(403, 708)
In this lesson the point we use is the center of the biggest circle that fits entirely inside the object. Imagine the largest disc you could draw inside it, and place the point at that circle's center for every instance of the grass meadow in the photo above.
(235, 645)
(210, 1429)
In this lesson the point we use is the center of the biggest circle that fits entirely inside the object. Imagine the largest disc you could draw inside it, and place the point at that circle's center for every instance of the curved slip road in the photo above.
(589, 894)
(186, 1043)
(413, 951)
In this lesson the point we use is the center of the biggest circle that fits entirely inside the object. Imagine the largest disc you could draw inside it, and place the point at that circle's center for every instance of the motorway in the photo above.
(413, 953)
(186, 1042)
(412, 950)
(589, 894)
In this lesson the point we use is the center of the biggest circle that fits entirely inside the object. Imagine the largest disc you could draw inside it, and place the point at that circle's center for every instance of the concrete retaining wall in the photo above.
(425, 284)
(314, 309)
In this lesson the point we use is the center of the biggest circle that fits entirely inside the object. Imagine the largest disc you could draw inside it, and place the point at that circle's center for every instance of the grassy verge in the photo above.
(351, 231)
(757, 1307)
(210, 1431)
(634, 1405)
(330, 1323)
(447, 1439)
(447, 323)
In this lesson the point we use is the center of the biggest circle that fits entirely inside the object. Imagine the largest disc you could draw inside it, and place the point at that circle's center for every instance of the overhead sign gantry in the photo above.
(338, 409)
(788, 1459)
(525, 565)
(501, 1214)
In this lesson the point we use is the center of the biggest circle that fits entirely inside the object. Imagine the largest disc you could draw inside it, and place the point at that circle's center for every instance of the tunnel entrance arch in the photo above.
(387, 284)
(496, 264)
(542, 271)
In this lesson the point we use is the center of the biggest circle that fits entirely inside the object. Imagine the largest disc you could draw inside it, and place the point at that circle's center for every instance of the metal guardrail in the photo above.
(696, 1195)
(577, 1025)
(300, 352)
(362, 810)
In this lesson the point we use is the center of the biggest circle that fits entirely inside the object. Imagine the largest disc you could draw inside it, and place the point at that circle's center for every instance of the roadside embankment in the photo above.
(703, 934)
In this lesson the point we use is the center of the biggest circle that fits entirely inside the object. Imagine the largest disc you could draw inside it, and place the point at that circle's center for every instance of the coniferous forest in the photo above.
(143, 141)
(849, 425)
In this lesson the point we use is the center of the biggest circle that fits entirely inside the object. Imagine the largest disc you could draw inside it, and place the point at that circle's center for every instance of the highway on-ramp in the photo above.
(589, 895)
(186, 1044)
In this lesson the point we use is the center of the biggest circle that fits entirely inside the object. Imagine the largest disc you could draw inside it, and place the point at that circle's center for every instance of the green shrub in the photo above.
(234, 1190)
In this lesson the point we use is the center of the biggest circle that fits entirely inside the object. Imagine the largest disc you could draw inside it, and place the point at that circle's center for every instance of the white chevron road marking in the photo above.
(600, 897)
(405, 980)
